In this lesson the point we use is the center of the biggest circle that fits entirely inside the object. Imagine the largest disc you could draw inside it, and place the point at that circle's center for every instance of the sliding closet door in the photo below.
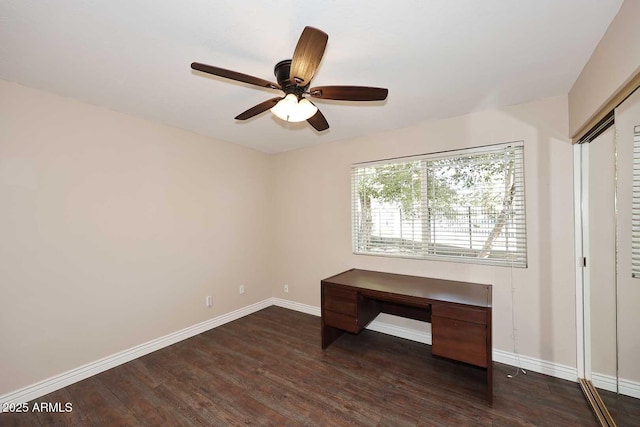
(627, 121)
(600, 283)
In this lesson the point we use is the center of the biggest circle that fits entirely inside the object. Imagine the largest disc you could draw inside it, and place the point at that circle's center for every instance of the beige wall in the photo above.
(114, 229)
(614, 61)
(313, 221)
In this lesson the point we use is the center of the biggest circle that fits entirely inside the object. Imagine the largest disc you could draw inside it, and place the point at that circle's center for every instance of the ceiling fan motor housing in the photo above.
(282, 72)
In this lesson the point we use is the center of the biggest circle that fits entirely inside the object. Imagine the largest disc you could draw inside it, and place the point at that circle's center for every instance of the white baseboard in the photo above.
(400, 331)
(376, 325)
(57, 382)
(296, 306)
(604, 382)
(527, 363)
(630, 388)
(608, 382)
(78, 374)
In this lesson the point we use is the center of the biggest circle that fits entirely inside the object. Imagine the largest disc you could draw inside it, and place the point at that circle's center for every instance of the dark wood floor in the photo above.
(268, 369)
(625, 410)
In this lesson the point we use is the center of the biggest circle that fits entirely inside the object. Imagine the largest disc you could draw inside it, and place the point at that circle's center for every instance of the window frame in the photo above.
(463, 255)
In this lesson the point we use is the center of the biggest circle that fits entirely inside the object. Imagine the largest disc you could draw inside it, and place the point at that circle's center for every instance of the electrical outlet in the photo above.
(241, 289)
(286, 288)
(209, 301)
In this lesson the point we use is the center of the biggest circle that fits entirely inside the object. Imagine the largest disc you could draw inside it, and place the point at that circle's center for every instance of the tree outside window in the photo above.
(465, 205)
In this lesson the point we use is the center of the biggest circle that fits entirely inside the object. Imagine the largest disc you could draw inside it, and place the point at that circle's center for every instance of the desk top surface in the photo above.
(474, 294)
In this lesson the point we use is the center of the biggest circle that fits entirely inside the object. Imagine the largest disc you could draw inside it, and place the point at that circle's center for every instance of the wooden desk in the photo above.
(459, 312)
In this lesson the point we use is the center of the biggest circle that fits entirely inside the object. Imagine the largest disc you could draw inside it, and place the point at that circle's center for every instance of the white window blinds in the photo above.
(463, 205)
(635, 209)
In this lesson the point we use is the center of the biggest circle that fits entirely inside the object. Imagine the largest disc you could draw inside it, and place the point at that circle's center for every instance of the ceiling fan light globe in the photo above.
(306, 109)
(290, 110)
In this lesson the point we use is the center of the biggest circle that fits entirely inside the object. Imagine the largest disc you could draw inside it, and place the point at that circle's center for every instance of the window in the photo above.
(463, 205)
(635, 209)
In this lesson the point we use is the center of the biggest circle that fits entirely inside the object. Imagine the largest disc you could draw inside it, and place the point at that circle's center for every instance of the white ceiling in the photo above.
(439, 58)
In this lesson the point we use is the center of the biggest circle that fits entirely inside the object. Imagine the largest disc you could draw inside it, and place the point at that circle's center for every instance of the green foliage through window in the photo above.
(465, 205)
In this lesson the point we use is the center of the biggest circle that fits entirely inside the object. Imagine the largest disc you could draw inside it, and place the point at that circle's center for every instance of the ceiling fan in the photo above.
(294, 77)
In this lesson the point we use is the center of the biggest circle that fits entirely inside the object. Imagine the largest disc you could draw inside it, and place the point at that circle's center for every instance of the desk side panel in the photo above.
(459, 340)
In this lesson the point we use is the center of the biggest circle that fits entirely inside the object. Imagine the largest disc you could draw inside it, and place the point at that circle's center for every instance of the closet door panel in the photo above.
(627, 117)
(601, 259)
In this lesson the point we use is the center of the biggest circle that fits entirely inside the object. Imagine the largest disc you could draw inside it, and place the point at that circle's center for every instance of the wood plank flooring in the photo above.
(268, 369)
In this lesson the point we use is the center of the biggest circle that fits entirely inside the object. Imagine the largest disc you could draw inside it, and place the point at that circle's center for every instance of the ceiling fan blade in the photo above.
(318, 121)
(257, 109)
(307, 56)
(349, 93)
(234, 75)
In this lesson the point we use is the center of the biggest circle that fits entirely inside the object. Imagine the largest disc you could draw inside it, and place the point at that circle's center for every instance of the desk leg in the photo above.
(490, 383)
(329, 334)
(489, 359)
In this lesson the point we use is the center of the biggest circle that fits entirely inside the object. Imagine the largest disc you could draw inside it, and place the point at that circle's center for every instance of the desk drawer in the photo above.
(340, 300)
(459, 340)
(341, 321)
(460, 313)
